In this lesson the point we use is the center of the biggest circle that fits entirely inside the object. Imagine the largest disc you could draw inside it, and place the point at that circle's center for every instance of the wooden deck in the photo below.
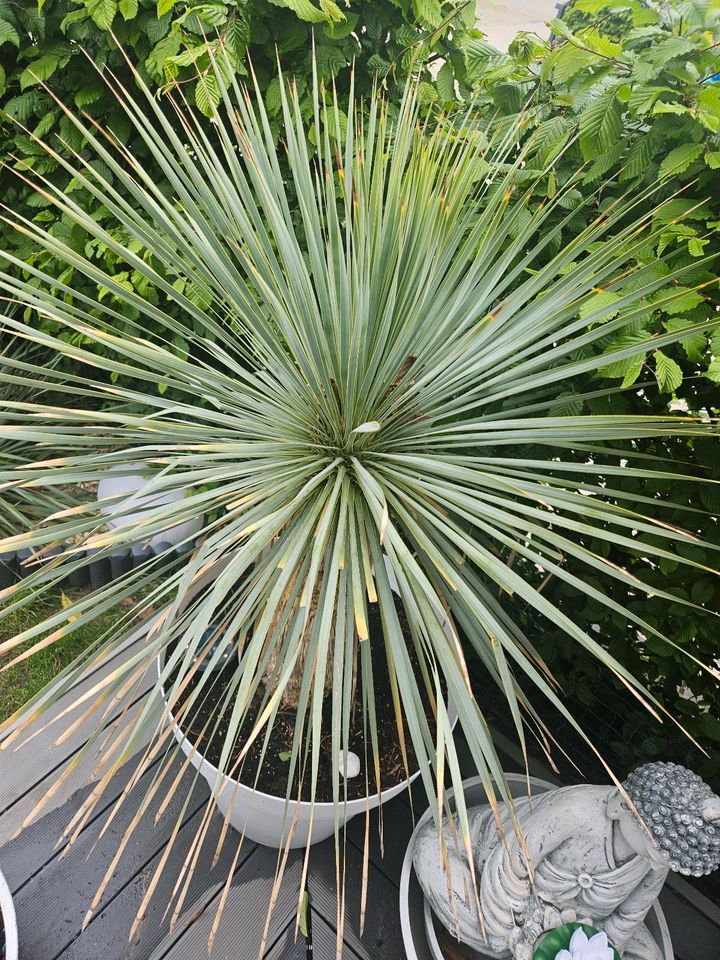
(53, 886)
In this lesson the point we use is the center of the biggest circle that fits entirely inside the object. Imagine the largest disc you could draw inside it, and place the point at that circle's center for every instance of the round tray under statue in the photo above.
(426, 939)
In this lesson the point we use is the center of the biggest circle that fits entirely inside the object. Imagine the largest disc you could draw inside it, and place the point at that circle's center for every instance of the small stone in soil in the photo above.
(349, 764)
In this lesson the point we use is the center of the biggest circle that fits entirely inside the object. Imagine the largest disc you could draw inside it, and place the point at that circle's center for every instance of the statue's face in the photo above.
(633, 832)
(639, 839)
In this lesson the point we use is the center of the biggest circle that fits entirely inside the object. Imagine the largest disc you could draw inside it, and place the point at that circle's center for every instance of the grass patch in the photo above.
(23, 681)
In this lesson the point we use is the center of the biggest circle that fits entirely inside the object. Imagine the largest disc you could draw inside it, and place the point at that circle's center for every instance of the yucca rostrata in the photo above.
(357, 372)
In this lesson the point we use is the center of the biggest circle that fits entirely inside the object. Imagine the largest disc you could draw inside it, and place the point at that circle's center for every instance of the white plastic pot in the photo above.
(125, 479)
(416, 915)
(268, 819)
(9, 921)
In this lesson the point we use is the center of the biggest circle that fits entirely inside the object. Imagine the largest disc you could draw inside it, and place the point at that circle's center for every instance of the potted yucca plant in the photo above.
(350, 354)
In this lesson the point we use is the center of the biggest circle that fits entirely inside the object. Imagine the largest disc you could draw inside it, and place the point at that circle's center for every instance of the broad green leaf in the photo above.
(445, 82)
(330, 59)
(713, 371)
(709, 726)
(89, 94)
(39, 70)
(628, 366)
(696, 246)
(428, 12)
(207, 95)
(600, 125)
(102, 11)
(640, 156)
(695, 345)
(708, 108)
(677, 108)
(632, 371)
(304, 9)
(668, 374)
(332, 11)
(239, 31)
(550, 138)
(128, 8)
(600, 306)
(46, 124)
(679, 159)
(8, 33)
(427, 94)
(273, 99)
(570, 60)
(163, 51)
(643, 98)
(678, 299)
(157, 27)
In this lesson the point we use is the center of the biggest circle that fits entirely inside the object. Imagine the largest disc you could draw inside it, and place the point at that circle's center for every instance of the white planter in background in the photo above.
(127, 478)
(9, 921)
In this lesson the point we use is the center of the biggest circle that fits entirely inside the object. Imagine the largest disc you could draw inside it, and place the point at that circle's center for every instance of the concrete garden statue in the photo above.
(592, 854)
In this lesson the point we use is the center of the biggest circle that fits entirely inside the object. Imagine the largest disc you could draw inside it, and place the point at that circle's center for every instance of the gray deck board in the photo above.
(14, 819)
(108, 933)
(381, 938)
(35, 759)
(62, 890)
(287, 947)
(245, 913)
(397, 825)
(36, 845)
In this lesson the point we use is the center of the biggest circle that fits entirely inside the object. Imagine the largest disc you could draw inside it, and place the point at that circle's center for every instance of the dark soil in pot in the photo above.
(275, 765)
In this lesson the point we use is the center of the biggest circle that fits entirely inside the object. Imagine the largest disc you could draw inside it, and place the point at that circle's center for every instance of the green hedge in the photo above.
(625, 93)
(64, 43)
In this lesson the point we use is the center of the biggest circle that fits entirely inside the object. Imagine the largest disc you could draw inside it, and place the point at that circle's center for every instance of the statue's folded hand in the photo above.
(551, 918)
(527, 927)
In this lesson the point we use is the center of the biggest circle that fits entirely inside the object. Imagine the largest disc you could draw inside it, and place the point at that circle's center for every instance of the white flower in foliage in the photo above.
(582, 948)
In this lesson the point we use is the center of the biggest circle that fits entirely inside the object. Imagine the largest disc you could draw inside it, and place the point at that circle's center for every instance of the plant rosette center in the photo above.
(574, 941)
